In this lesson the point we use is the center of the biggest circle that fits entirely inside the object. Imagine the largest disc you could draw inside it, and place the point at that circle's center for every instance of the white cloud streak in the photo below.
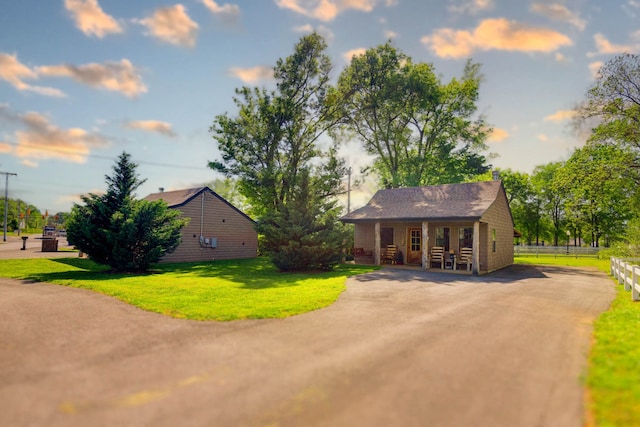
(120, 76)
(42, 140)
(91, 19)
(252, 75)
(15, 73)
(494, 34)
(156, 126)
(559, 12)
(172, 25)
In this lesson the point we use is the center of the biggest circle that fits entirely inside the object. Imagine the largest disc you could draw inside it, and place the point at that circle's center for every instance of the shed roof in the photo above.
(466, 201)
(178, 198)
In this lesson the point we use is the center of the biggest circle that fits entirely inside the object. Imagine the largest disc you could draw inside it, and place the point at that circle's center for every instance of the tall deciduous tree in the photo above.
(117, 230)
(614, 100)
(419, 130)
(272, 144)
(599, 188)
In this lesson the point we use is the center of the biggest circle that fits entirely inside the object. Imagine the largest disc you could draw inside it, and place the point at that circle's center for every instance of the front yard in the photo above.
(220, 290)
(253, 288)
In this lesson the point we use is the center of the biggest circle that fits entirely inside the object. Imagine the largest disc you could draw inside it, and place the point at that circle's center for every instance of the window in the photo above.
(442, 237)
(493, 239)
(415, 240)
(465, 237)
(386, 236)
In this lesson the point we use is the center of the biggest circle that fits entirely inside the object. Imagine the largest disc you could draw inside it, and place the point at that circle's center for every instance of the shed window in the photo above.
(465, 237)
(386, 236)
(442, 237)
(493, 239)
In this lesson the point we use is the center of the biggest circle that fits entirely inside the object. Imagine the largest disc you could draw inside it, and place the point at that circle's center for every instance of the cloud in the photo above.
(172, 25)
(322, 30)
(594, 68)
(5, 148)
(390, 34)
(471, 6)
(353, 52)
(229, 13)
(252, 75)
(91, 19)
(605, 47)
(41, 140)
(494, 34)
(14, 72)
(560, 116)
(559, 12)
(498, 135)
(542, 137)
(327, 10)
(115, 76)
(163, 128)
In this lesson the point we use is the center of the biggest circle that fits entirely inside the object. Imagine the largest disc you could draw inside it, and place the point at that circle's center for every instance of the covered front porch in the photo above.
(447, 246)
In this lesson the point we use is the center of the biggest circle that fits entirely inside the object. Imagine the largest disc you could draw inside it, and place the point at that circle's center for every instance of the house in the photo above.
(464, 227)
(216, 230)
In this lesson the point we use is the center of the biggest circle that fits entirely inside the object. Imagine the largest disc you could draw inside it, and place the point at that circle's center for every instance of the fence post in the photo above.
(635, 287)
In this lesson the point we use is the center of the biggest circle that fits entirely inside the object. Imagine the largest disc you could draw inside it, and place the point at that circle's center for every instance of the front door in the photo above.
(414, 246)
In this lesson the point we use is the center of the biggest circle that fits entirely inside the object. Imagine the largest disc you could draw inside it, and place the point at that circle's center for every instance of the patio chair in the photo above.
(466, 257)
(390, 254)
(437, 255)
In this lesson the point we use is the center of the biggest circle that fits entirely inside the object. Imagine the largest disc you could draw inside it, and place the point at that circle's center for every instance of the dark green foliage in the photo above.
(271, 148)
(420, 131)
(117, 230)
(304, 234)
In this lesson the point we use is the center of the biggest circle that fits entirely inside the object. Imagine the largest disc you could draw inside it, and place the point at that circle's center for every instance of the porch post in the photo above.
(376, 249)
(425, 245)
(475, 267)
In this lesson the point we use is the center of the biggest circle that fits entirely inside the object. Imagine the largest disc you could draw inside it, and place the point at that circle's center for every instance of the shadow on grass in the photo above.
(256, 273)
(251, 274)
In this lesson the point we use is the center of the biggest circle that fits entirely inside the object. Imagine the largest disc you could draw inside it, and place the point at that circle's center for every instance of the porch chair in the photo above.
(466, 257)
(390, 254)
(437, 255)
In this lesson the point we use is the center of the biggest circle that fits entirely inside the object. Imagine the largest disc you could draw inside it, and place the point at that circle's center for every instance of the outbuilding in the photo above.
(216, 230)
(464, 227)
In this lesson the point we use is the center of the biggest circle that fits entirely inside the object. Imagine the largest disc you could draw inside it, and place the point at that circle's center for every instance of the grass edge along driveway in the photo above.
(219, 290)
(228, 290)
(613, 374)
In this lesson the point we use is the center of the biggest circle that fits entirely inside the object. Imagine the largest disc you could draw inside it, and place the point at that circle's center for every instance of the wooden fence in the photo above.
(556, 251)
(627, 272)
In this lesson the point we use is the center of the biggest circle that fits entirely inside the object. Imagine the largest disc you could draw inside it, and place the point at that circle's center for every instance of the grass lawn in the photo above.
(220, 290)
(613, 377)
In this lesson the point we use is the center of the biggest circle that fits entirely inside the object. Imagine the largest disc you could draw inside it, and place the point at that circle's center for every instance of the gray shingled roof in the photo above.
(175, 198)
(468, 201)
(178, 198)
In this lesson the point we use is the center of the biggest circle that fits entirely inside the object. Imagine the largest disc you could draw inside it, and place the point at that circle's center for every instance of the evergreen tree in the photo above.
(117, 230)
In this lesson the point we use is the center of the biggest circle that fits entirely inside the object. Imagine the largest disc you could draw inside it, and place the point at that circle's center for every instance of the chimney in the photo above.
(496, 175)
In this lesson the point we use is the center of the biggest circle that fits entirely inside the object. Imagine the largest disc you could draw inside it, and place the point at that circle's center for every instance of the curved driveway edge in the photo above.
(399, 347)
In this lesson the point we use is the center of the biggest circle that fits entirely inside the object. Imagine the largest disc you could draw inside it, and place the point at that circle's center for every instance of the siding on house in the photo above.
(498, 217)
(211, 217)
(455, 206)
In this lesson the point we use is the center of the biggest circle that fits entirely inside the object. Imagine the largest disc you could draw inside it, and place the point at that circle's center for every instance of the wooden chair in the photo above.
(437, 255)
(466, 257)
(390, 254)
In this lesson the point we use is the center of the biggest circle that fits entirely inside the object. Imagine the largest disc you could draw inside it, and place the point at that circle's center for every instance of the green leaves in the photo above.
(117, 230)
(420, 131)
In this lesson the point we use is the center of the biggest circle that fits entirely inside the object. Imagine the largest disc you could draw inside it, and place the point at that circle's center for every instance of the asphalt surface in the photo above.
(399, 348)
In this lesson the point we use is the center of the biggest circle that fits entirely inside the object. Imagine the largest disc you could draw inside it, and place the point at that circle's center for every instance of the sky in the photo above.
(82, 81)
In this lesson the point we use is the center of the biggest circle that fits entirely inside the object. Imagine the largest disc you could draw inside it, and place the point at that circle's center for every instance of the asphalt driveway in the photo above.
(399, 348)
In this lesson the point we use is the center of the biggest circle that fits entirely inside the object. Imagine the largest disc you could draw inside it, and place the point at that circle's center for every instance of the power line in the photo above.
(6, 200)
(102, 157)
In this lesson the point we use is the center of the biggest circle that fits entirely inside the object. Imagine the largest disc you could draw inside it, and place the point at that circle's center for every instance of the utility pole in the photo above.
(349, 191)
(6, 200)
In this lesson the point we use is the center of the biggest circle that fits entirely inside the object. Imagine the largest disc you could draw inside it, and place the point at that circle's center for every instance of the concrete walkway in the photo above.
(399, 348)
